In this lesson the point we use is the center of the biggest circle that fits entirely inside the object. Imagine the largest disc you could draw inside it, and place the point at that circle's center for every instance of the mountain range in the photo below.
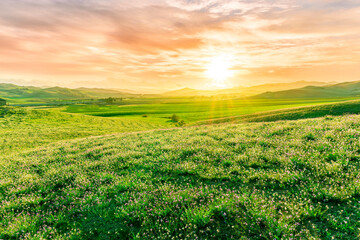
(345, 89)
(243, 91)
(300, 89)
(12, 91)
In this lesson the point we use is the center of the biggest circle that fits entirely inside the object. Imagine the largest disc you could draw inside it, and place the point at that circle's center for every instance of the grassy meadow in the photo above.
(23, 128)
(262, 169)
(192, 110)
(26, 128)
(282, 180)
(179, 120)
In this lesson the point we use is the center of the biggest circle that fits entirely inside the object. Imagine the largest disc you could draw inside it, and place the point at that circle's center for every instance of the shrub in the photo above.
(175, 118)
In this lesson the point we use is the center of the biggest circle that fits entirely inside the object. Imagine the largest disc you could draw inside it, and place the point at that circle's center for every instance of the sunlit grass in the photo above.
(194, 110)
(22, 129)
(279, 180)
(283, 180)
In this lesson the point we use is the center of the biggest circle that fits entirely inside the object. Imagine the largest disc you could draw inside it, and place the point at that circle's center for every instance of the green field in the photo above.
(192, 110)
(26, 128)
(22, 129)
(108, 172)
(292, 179)
(179, 120)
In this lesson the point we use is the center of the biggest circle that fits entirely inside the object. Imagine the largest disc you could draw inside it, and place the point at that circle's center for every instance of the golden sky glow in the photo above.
(156, 45)
(218, 69)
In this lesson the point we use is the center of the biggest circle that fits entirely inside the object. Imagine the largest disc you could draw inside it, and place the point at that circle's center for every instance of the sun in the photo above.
(219, 70)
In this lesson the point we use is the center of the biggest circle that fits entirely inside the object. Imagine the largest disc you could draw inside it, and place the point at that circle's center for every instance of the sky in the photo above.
(158, 45)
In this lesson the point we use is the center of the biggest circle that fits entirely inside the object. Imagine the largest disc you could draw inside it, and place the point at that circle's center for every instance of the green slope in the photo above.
(347, 89)
(22, 129)
(16, 93)
(283, 180)
(193, 110)
(330, 109)
(242, 91)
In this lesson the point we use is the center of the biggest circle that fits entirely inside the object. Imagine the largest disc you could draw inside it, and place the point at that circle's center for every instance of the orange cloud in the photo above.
(167, 43)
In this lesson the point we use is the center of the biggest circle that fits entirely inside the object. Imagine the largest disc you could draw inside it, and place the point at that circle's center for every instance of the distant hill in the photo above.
(187, 92)
(253, 90)
(300, 89)
(12, 91)
(243, 91)
(346, 89)
(101, 92)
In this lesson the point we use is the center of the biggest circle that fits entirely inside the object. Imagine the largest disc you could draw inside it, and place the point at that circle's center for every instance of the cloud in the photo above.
(170, 42)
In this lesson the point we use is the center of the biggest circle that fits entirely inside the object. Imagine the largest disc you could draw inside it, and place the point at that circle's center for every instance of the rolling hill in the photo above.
(292, 113)
(242, 91)
(188, 92)
(13, 92)
(283, 180)
(26, 128)
(346, 89)
(33, 94)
